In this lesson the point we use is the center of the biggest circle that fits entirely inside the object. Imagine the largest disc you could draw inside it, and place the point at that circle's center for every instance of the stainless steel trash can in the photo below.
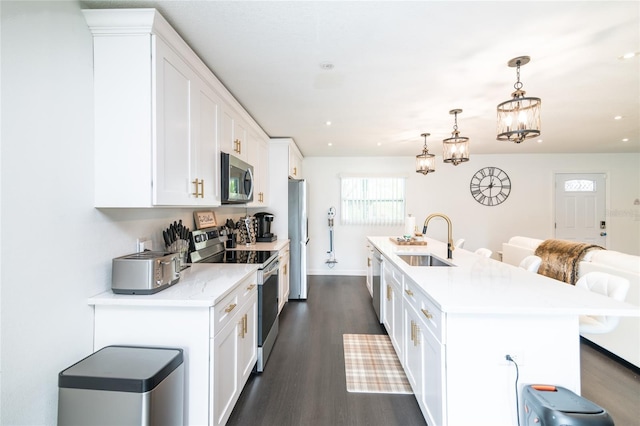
(123, 385)
(548, 405)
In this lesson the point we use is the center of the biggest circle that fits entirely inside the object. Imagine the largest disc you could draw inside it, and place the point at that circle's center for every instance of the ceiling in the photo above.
(400, 67)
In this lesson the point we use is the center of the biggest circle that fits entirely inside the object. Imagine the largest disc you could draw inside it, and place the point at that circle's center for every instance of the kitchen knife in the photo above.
(167, 240)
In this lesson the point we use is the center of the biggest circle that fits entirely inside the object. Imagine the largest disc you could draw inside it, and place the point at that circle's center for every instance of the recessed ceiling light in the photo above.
(617, 117)
(629, 55)
(379, 144)
(330, 144)
(625, 140)
(539, 140)
(328, 123)
(327, 66)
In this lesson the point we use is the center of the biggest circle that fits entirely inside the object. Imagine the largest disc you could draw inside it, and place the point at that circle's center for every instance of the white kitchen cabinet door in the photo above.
(234, 134)
(414, 350)
(369, 280)
(174, 141)
(433, 372)
(258, 157)
(283, 277)
(185, 167)
(205, 179)
(226, 386)
(295, 162)
(393, 312)
(248, 342)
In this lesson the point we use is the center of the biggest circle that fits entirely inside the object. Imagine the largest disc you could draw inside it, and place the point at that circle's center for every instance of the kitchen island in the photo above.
(211, 313)
(453, 326)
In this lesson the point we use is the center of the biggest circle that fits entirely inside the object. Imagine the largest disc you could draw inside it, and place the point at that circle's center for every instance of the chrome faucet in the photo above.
(449, 231)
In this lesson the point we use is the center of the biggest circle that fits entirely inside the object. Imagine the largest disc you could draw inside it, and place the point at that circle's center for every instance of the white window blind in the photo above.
(372, 200)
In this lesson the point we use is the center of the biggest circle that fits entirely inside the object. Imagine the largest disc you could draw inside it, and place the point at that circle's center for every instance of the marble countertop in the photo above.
(481, 285)
(200, 285)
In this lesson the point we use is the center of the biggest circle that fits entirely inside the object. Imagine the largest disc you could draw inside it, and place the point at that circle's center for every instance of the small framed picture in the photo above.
(205, 219)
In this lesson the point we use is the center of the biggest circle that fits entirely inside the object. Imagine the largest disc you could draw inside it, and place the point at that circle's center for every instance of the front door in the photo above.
(580, 207)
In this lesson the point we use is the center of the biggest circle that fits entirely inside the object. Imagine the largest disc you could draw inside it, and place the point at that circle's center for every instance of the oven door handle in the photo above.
(273, 270)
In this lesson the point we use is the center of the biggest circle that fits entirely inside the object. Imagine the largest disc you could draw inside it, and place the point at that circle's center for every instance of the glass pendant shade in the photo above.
(519, 117)
(455, 150)
(425, 162)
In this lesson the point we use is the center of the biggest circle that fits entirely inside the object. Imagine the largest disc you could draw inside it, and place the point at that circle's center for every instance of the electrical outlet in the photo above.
(516, 356)
(143, 243)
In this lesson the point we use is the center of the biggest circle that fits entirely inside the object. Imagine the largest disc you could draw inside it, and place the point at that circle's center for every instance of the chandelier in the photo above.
(455, 150)
(519, 118)
(425, 162)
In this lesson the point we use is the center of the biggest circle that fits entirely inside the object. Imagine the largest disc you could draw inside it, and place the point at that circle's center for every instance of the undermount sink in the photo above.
(423, 260)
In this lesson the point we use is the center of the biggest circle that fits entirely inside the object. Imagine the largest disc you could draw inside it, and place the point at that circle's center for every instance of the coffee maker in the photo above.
(264, 234)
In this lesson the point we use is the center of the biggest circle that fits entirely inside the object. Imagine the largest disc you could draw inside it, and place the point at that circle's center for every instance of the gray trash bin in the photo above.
(123, 385)
(548, 405)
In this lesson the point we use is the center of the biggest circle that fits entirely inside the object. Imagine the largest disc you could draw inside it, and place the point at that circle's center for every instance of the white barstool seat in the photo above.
(608, 285)
(484, 252)
(531, 263)
(459, 244)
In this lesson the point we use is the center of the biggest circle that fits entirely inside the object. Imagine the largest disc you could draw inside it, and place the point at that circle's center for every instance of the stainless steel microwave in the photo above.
(237, 180)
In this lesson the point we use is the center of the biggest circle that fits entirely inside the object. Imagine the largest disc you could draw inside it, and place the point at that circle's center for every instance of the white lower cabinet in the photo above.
(283, 277)
(392, 283)
(219, 343)
(234, 350)
(424, 365)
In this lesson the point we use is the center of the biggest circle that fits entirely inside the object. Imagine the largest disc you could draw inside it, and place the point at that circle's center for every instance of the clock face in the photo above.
(490, 186)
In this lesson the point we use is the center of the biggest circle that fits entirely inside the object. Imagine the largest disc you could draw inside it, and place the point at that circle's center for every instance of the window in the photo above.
(372, 200)
(579, 185)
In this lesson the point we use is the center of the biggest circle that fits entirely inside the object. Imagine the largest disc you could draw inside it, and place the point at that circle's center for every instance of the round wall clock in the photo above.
(490, 186)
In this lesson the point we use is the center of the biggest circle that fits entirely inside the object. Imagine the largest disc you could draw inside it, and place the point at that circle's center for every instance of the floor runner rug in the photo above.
(372, 366)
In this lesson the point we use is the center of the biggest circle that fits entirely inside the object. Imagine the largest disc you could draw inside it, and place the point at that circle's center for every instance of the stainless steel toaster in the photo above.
(146, 272)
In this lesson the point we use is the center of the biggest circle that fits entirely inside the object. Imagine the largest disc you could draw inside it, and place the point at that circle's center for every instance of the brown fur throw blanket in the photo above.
(560, 259)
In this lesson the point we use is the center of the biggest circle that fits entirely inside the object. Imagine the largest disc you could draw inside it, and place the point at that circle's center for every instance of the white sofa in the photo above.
(624, 341)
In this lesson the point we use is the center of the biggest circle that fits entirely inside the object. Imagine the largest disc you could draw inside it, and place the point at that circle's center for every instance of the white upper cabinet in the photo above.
(234, 135)
(161, 116)
(186, 138)
(295, 162)
(258, 157)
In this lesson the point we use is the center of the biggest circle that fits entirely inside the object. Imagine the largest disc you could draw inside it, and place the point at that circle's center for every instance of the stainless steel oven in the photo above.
(267, 311)
(207, 246)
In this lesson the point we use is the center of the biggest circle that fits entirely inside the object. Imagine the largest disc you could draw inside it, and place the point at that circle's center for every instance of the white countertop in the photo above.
(486, 286)
(201, 285)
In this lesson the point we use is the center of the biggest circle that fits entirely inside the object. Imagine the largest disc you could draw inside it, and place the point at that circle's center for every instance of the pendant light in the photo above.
(425, 162)
(455, 150)
(519, 118)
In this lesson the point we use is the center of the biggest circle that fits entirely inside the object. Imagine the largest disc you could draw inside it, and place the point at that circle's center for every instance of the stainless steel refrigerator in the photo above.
(299, 239)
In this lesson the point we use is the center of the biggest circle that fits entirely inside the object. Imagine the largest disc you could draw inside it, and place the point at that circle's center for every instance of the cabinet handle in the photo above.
(427, 313)
(198, 183)
(413, 331)
(388, 292)
(416, 335)
(409, 292)
(295, 171)
(285, 269)
(368, 261)
(251, 287)
(230, 308)
(244, 324)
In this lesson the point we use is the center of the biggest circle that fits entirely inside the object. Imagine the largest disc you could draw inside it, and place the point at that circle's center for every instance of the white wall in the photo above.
(528, 211)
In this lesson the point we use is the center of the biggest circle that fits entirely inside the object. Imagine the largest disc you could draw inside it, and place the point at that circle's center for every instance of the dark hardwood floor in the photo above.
(304, 379)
